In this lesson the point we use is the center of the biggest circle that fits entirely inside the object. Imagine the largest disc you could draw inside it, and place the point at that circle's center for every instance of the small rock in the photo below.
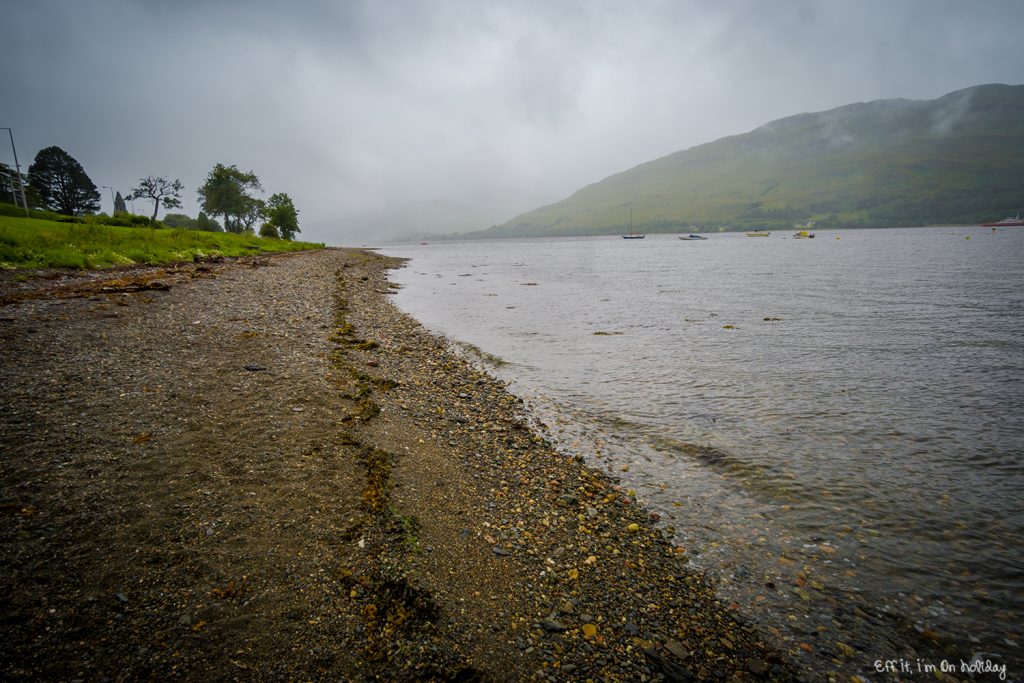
(758, 667)
(552, 626)
(677, 648)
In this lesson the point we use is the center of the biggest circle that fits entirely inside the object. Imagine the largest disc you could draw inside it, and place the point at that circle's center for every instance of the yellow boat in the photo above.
(803, 235)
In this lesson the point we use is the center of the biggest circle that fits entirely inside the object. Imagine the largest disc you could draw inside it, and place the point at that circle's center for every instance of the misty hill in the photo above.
(955, 159)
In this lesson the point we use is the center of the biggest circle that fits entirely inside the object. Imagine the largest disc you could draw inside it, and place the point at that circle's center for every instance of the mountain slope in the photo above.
(955, 159)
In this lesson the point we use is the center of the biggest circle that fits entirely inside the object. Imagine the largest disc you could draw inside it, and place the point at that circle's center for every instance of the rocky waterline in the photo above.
(266, 471)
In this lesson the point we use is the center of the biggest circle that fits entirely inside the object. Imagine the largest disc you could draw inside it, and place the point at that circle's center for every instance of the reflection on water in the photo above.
(825, 423)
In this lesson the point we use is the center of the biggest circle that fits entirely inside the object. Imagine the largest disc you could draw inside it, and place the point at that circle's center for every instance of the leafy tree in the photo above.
(159, 189)
(282, 215)
(268, 230)
(204, 222)
(62, 183)
(226, 193)
(254, 209)
(179, 220)
(119, 205)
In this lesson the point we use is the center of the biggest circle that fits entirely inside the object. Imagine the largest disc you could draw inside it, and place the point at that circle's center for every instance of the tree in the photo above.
(62, 183)
(254, 209)
(179, 220)
(204, 222)
(159, 189)
(119, 205)
(282, 215)
(226, 193)
(268, 230)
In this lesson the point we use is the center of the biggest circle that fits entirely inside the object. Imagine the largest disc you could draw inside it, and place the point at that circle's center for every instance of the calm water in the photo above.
(827, 424)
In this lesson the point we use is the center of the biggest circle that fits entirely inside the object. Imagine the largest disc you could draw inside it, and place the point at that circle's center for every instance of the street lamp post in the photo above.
(17, 169)
(113, 204)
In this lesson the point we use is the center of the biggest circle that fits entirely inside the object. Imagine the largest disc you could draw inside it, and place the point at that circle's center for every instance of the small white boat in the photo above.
(758, 233)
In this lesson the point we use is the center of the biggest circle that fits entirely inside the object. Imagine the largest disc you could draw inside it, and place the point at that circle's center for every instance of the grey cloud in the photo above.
(383, 117)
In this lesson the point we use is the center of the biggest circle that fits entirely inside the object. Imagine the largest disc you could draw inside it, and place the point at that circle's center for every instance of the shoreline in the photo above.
(808, 577)
(270, 471)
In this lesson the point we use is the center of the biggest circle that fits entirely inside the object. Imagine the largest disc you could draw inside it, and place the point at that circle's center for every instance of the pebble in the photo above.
(553, 626)
(677, 648)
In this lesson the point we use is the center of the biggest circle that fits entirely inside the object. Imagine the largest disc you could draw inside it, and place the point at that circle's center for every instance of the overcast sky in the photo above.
(384, 116)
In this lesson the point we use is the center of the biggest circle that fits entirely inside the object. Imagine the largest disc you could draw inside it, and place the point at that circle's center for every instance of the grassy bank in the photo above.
(34, 243)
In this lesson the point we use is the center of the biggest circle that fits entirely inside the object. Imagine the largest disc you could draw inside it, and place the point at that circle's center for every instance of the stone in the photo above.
(758, 667)
(552, 626)
(677, 648)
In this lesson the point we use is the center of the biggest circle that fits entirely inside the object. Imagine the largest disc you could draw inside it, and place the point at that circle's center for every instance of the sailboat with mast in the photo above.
(632, 235)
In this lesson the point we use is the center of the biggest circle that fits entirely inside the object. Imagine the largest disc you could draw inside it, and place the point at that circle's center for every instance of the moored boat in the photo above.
(632, 235)
(691, 237)
(1007, 222)
(803, 235)
(758, 233)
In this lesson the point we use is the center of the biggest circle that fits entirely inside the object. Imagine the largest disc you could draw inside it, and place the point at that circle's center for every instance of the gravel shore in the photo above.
(264, 470)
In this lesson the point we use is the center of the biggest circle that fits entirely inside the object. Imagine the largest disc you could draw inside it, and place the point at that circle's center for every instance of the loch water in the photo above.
(833, 427)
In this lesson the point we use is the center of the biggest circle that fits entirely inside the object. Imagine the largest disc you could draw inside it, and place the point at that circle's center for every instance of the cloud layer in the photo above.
(380, 118)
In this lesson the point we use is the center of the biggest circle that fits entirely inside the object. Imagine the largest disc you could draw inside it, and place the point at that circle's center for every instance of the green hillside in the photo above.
(958, 159)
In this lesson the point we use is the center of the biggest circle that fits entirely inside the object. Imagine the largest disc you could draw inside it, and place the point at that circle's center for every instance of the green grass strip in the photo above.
(36, 243)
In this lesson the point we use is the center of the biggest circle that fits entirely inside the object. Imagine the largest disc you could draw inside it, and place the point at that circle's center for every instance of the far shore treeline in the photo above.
(58, 188)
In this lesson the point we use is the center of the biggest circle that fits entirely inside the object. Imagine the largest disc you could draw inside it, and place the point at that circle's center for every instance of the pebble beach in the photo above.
(263, 470)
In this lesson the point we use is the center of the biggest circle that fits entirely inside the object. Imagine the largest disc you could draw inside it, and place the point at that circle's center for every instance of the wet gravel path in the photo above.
(266, 471)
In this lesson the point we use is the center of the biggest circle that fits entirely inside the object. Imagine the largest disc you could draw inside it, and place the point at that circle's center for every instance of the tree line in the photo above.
(58, 182)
